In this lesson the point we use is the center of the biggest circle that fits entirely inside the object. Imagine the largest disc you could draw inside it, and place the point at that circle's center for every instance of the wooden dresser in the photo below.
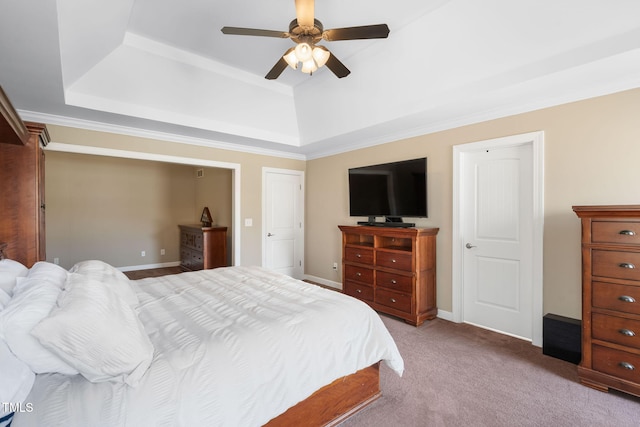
(391, 269)
(22, 206)
(610, 297)
(202, 247)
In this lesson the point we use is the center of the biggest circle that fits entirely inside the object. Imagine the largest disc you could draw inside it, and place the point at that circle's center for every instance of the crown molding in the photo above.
(162, 136)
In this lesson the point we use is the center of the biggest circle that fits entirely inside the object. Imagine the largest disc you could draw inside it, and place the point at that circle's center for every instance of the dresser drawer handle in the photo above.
(626, 265)
(627, 232)
(393, 300)
(627, 332)
(626, 298)
(359, 291)
(628, 366)
(393, 260)
(358, 274)
(358, 256)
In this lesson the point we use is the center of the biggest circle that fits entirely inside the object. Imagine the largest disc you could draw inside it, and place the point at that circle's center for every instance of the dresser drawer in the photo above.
(618, 363)
(612, 296)
(616, 329)
(185, 258)
(358, 290)
(190, 259)
(624, 232)
(396, 282)
(362, 255)
(616, 264)
(392, 299)
(358, 274)
(396, 259)
(191, 239)
(197, 260)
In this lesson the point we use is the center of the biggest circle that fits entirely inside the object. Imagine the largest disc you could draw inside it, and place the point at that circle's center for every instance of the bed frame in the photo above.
(329, 405)
(335, 402)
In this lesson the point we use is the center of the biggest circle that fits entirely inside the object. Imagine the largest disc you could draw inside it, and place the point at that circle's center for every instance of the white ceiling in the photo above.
(163, 69)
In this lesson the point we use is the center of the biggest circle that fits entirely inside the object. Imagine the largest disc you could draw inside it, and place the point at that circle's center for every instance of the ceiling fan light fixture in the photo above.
(291, 58)
(320, 55)
(309, 66)
(303, 52)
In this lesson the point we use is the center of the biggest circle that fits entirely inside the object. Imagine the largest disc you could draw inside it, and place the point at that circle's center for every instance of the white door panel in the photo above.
(497, 279)
(495, 287)
(281, 254)
(283, 212)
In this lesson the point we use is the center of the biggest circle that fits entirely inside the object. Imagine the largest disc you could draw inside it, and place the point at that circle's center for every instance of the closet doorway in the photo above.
(233, 167)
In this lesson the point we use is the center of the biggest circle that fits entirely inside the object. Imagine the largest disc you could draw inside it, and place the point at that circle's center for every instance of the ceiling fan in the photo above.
(306, 31)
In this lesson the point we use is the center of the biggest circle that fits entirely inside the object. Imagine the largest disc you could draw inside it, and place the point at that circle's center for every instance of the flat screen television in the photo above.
(390, 190)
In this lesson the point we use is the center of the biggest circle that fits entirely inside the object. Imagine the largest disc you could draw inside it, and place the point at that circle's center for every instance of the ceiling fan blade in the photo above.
(253, 32)
(305, 12)
(337, 67)
(380, 31)
(277, 69)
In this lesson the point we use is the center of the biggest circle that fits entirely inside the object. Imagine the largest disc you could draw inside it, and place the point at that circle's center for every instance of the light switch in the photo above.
(248, 222)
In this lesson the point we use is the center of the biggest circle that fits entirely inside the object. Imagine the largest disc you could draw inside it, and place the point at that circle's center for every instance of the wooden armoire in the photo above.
(22, 204)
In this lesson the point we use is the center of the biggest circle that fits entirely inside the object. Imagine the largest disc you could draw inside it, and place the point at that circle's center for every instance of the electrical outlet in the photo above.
(335, 266)
(162, 252)
(56, 261)
(143, 253)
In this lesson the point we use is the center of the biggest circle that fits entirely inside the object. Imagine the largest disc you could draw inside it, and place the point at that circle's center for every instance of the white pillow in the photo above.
(50, 272)
(17, 378)
(29, 306)
(9, 271)
(108, 275)
(96, 332)
(42, 272)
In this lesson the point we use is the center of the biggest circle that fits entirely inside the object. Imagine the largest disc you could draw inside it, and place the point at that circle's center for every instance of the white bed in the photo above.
(233, 346)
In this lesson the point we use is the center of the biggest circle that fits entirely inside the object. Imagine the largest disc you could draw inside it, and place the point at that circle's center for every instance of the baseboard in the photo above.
(445, 315)
(324, 282)
(149, 266)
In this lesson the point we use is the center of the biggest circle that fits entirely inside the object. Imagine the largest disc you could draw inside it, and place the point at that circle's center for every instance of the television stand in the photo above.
(391, 269)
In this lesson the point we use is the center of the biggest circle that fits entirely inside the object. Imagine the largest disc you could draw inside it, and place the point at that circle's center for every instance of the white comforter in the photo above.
(234, 347)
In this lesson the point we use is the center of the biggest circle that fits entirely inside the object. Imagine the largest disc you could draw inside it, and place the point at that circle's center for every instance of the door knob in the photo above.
(469, 246)
(269, 234)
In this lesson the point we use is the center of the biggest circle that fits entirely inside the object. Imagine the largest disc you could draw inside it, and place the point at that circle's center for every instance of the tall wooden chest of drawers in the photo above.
(202, 247)
(391, 269)
(610, 297)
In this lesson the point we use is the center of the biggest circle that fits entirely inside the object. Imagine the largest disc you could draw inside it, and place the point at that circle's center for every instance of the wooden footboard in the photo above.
(335, 402)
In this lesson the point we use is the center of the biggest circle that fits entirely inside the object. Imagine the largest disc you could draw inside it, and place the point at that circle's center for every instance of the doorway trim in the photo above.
(235, 176)
(536, 141)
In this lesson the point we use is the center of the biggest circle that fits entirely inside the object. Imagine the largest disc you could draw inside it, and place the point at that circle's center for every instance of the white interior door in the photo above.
(498, 239)
(283, 235)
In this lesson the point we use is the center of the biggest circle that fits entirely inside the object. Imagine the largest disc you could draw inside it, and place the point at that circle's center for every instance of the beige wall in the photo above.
(112, 208)
(250, 173)
(592, 149)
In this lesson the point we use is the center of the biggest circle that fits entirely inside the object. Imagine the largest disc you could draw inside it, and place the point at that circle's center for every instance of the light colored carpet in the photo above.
(460, 375)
